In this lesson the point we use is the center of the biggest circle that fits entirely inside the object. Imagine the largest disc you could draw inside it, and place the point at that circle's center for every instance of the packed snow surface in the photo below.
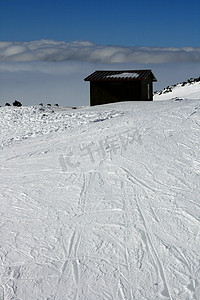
(100, 202)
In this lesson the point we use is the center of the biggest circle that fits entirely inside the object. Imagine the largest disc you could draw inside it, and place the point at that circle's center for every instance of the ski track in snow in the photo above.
(124, 225)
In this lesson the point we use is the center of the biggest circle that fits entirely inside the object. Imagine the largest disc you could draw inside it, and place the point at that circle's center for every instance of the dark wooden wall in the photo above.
(147, 90)
(118, 91)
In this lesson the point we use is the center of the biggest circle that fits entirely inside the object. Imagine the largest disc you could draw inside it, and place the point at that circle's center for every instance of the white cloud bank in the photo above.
(54, 51)
(63, 82)
(53, 72)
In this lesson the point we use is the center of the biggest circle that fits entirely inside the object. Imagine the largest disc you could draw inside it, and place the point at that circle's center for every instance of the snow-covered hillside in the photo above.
(100, 202)
(189, 89)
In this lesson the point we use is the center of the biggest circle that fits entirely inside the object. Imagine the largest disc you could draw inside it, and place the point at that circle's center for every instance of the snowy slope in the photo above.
(101, 202)
(185, 90)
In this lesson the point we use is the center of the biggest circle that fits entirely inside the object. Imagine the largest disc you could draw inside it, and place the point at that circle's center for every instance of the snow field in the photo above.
(188, 91)
(100, 202)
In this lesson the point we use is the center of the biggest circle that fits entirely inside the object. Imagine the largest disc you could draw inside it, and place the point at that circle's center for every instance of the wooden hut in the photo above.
(116, 86)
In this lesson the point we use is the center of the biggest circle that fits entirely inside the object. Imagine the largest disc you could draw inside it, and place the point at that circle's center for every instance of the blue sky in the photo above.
(107, 22)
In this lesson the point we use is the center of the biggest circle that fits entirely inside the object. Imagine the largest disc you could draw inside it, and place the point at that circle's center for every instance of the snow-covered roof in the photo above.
(120, 75)
(124, 75)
